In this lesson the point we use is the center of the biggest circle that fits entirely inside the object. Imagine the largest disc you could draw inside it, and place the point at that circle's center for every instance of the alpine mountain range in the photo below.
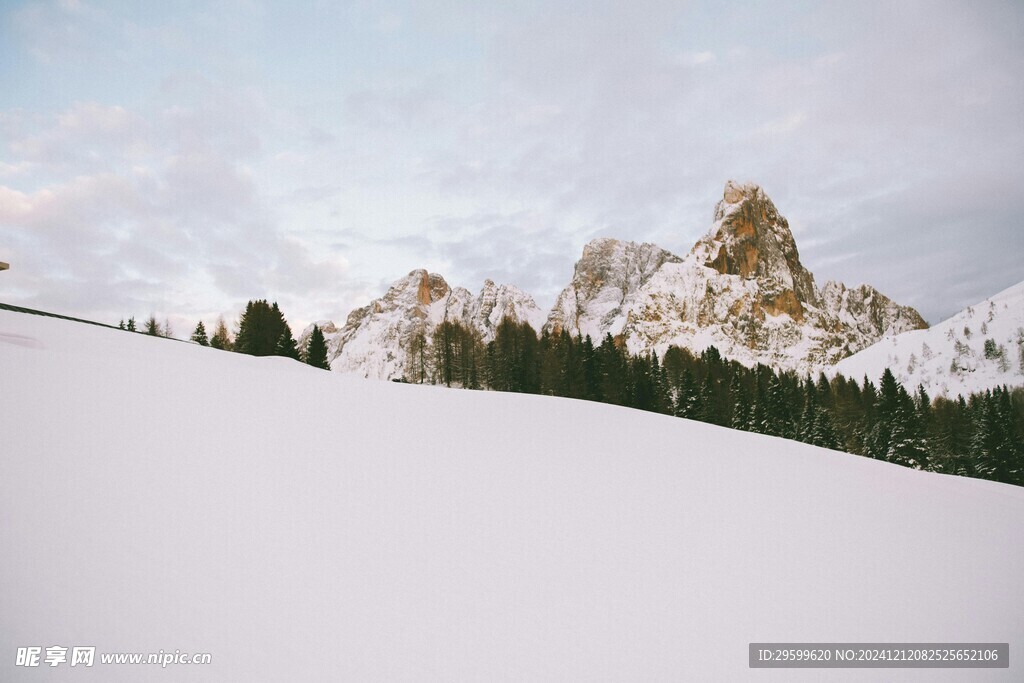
(741, 288)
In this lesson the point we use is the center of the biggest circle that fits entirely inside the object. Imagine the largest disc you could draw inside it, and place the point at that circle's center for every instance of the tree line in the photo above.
(979, 436)
(262, 331)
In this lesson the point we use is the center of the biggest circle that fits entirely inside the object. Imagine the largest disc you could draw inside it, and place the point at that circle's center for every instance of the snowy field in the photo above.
(300, 525)
(949, 358)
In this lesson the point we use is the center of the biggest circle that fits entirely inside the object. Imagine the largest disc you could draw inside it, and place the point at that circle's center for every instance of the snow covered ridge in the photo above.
(979, 348)
(377, 339)
(164, 495)
(742, 289)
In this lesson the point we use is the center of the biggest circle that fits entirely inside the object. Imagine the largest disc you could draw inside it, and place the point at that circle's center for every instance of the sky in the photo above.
(181, 158)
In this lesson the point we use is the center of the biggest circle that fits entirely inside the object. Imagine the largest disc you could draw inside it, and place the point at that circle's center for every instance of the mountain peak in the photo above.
(742, 288)
(735, 193)
(606, 278)
(750, 238)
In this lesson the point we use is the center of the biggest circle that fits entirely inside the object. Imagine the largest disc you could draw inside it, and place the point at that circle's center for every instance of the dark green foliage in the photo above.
(152, 327)
(739, 397)
(263, 331)
(512, 358)
(131, 324)
(316, 350)
(199, 335)
(286, 345)
(996, 443)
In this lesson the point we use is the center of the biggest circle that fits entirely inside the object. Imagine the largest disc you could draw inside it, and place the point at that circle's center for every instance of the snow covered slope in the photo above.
(951, 357)
(301, 525)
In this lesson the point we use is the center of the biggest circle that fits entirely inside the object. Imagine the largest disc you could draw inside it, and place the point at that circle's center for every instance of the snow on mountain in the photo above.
(741, 288)
(496, 302)
(376, 340)
(979, 348)
(605, 286)
(305, 525)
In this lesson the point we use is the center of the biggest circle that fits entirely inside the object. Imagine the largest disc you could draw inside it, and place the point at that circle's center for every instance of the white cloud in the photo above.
(449, 134)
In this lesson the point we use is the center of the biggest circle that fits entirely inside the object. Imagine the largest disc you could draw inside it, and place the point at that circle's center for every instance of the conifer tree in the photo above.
(778, 410)
(808, 417)
(741, 413)
(131, 324)
(199, 335)
(614, 372)
(824, 433)
(687, 396)
(316, 350)
(591, 371)
(152, 327)
(286, 345)
(705, 406)
(263, 331)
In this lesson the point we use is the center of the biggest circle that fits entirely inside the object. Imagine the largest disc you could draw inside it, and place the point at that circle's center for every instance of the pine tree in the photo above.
(687, 396)
(984, 444)
(131, 324)
(996, 446)
(778, 409)
(263, 331)
(591, 370)
(805, 429)
(614, 372)
(741, 413)
(286, 345)
(316, 350)
(705, 407)
(199, 335)
(1010, 451)
(153, 327)
(824, 433)
(880, 430)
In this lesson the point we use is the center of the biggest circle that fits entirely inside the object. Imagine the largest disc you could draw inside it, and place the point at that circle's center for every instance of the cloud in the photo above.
(183, 229)
(916, 104)
(228, 145)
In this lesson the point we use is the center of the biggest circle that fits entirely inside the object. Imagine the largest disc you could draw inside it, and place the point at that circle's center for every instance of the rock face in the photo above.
(750, 239)
(376, 340)
(741, 288)
(605, 286)
(496, 302)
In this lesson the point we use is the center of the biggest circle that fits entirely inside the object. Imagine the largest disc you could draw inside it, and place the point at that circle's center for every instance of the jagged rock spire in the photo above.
(750, 238)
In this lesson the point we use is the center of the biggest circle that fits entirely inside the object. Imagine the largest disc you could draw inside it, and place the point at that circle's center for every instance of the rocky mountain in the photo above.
(376, 339)
(605, 285)
(979, 348)
(741, 288)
